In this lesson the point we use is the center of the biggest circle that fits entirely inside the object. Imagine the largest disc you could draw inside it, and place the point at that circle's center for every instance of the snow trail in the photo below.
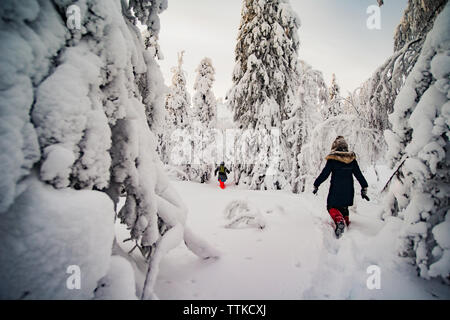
(295, 256)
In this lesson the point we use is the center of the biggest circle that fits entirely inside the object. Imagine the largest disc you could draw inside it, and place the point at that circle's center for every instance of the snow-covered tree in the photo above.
(204, 121)
(264, 83)
(75, 136)
(385, 84)
(204, 102)
(152, 88)
(178, 105)
(418, 150)
(178, 100)
(417, 21)
(334, 107)
(312, 97)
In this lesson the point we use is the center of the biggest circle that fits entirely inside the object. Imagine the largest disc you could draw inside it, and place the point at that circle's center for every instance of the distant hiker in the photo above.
(342, 165)
(222, 174)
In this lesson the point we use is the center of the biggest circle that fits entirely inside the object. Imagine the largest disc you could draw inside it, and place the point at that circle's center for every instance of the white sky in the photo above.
(333, 37)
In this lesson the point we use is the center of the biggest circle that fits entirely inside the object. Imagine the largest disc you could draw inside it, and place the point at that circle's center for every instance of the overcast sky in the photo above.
(333, 37)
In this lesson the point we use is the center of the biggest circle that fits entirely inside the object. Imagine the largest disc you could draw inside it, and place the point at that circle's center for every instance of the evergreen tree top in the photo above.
(266, 61)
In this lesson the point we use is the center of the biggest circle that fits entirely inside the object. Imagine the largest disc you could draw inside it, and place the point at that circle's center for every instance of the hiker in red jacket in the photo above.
(342, 165)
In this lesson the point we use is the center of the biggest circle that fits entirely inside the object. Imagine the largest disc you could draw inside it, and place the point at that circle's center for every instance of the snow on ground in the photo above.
(47, 235)
(295, 256)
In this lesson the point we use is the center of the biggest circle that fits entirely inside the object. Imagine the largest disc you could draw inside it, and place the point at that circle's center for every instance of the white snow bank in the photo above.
(118, 284)
(441, 234)
(44, 232)
(296, 257)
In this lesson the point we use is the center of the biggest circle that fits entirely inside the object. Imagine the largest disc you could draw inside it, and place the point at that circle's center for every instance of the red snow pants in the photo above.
(222, 184)
(337, 216)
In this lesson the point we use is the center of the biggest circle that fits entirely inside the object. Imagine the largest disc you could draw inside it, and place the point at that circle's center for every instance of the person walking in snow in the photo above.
(342, 165)
(222, 174)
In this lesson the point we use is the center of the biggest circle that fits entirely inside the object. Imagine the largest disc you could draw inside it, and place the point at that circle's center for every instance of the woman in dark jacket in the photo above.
(342, 166)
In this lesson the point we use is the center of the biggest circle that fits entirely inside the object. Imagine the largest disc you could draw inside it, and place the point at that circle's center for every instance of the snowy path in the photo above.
(295, 257)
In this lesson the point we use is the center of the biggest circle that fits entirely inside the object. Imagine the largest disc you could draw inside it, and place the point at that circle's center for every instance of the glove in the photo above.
(364, 194)
(315, 189)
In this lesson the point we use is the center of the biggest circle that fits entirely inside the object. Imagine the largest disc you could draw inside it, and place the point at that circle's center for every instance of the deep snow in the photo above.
(295, 255)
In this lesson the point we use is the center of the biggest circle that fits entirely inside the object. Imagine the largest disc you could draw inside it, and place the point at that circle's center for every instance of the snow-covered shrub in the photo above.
(242, 213)
(418, 149)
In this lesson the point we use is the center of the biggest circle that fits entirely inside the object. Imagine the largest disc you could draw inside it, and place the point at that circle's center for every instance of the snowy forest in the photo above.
(109, 177)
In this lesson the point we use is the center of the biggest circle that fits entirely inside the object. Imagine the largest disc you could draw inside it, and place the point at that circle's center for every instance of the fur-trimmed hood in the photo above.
(342, 156)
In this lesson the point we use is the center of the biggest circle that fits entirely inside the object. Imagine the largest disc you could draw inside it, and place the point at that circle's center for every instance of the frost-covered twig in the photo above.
(393, 174)
(131, 251)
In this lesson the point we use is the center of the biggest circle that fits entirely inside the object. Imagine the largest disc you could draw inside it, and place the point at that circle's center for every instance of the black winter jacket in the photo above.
(342, 166)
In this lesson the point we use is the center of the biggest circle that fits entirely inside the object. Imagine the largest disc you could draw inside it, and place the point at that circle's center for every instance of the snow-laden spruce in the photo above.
(204, 101)
(312, 98)
(334, 100)
(263, 91)
(176, 142)
(73, 117)
(418, 151)
(203, 122)
(178, 100)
